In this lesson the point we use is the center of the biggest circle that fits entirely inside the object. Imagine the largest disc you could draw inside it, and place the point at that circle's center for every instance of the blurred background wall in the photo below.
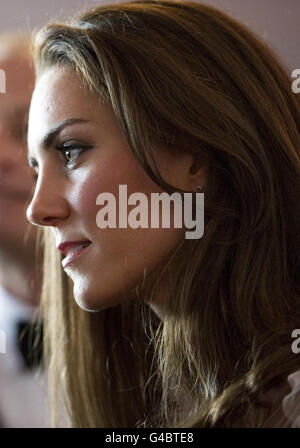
(277, 21)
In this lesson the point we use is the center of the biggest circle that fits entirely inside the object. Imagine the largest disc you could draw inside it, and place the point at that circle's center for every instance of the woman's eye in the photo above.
(71, 152)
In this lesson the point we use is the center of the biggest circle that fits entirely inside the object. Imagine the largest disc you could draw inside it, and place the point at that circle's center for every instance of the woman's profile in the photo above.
(166, 96)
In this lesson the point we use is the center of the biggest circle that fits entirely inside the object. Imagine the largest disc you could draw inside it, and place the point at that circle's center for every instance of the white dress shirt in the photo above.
(23, 401)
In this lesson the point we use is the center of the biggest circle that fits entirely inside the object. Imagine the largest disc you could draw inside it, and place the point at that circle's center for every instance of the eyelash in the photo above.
(71, 147)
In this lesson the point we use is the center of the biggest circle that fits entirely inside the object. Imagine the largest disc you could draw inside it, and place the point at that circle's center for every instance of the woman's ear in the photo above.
(197, 175)
(182, 169)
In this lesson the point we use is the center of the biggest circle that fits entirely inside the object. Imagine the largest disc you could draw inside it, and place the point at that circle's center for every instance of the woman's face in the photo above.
(78, 152)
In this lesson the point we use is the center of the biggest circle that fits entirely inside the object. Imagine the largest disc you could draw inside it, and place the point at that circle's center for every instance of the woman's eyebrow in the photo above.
(50, 135)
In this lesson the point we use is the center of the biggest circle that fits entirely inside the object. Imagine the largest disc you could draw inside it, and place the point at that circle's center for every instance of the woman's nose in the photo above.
(48, 207)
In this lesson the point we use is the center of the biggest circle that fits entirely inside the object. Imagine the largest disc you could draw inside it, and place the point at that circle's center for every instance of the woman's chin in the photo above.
(95, 301)
(87, 307)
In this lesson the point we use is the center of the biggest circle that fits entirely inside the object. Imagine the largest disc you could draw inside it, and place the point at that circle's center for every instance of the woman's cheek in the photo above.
(85, 190)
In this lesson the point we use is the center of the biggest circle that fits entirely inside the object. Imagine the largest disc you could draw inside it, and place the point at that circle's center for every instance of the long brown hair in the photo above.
(187, 77)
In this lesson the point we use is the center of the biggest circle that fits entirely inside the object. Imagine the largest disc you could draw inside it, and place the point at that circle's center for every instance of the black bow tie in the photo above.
(30, 343)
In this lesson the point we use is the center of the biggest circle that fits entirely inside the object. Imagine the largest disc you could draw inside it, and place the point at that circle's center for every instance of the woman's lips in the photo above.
(72, 251)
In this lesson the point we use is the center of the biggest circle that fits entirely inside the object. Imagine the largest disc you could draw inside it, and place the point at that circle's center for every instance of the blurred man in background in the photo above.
(22, 389)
